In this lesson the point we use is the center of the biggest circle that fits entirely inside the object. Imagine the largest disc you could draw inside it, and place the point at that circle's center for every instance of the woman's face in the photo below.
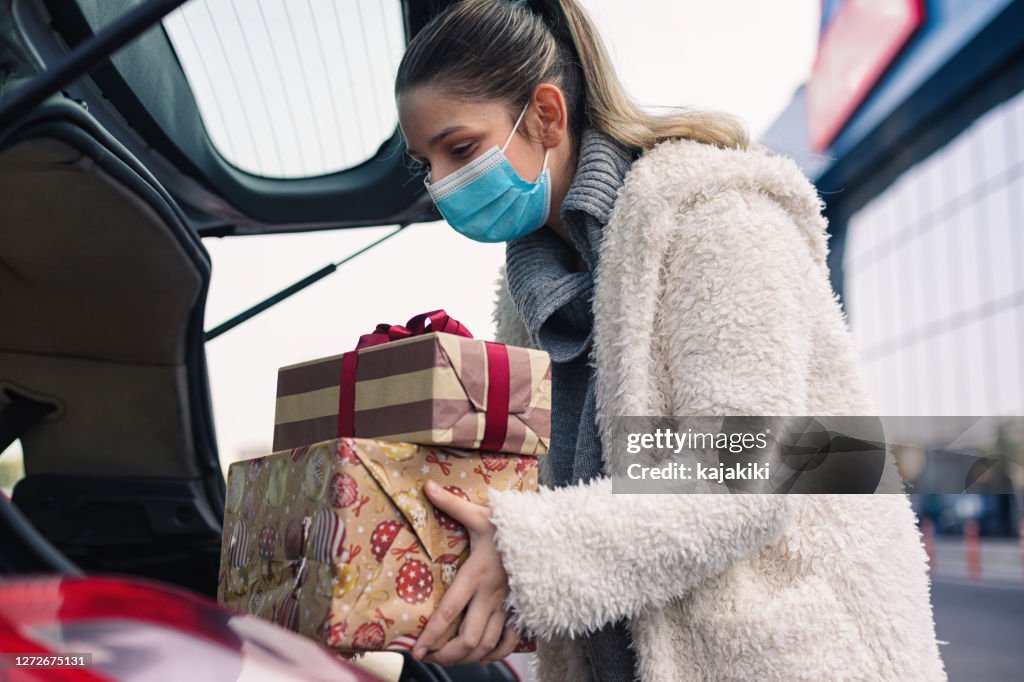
(444, 133)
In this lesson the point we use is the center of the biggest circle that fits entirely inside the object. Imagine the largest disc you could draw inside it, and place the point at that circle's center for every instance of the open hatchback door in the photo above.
(109, 179)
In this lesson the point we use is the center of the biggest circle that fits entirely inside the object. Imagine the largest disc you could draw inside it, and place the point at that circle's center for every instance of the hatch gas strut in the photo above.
(83, 58)
(295, 288)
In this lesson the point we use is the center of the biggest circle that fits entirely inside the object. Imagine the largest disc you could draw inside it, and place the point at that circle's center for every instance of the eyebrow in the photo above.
(437, 138)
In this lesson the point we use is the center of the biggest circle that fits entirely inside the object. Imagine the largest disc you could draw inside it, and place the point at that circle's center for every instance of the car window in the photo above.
(292, 88)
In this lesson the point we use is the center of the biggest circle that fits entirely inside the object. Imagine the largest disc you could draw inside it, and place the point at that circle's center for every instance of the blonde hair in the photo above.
(502, 49)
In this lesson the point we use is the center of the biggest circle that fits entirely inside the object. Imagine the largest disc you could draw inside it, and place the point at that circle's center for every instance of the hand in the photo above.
(481, 582)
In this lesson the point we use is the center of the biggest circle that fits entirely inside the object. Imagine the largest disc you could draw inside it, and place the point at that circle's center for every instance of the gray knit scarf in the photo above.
(555, 303)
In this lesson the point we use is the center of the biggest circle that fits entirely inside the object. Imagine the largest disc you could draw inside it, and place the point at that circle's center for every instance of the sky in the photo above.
(745, 57)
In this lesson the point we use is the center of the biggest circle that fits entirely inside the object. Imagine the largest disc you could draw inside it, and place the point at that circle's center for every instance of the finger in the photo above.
(469, 514)
(448, 609)
(509, 641)
(471, 631)
(492, 635)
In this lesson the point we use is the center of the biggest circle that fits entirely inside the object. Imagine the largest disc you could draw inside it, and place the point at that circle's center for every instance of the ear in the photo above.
(549, 119)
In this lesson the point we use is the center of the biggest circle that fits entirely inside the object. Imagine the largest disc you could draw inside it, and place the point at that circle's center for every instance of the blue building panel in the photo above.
(949, 27)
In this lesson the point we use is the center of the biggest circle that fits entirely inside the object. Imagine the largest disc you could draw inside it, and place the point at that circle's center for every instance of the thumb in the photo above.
(465, 512)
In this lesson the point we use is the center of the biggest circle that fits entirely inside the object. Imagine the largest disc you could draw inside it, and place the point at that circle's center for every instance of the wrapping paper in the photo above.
(431, 388)
(338, 542)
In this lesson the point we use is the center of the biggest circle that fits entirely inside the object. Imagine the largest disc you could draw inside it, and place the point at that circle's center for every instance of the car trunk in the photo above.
(106, 190)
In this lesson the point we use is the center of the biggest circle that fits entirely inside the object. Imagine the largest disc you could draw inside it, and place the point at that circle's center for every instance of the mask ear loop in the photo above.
(547, 151)
(515, 127)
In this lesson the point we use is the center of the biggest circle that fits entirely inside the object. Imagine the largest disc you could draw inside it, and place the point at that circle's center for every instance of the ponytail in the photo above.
(502, 49)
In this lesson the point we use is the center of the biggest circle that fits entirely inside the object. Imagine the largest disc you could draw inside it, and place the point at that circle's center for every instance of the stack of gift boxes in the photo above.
(332, 535)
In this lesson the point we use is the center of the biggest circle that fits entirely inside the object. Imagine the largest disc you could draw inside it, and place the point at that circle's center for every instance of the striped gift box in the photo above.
(432, 389)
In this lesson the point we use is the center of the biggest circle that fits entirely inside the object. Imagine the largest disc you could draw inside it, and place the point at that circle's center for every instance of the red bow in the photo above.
(439, 321)
(496, 419)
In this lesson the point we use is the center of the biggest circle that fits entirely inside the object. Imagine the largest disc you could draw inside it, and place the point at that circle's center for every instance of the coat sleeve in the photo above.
(730, 317)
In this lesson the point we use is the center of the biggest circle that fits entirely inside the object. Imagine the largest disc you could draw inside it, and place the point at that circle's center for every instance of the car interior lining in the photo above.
(103, 288)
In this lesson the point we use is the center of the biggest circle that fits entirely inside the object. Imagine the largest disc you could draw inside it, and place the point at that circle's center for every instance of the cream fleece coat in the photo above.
(712, 297)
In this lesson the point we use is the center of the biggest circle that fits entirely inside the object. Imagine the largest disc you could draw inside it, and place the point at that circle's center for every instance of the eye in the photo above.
(462, 151)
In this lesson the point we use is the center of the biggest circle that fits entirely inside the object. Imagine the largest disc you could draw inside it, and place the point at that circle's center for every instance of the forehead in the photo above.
(423, 113)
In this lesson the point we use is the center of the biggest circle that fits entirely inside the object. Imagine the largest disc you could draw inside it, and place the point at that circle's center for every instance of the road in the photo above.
(983, 623)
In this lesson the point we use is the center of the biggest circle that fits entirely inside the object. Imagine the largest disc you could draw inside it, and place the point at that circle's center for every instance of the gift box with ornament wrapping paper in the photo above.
(338, 542)
(434, 385)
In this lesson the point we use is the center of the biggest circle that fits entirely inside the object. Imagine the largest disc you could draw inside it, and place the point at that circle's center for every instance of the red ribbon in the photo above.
(446, 467)
(400, 552)
(496, 417)
(498, 376)
(439, 321)
(388, 622)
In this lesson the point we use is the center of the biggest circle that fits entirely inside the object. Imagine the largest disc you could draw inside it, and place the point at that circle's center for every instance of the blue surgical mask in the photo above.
(487, 201)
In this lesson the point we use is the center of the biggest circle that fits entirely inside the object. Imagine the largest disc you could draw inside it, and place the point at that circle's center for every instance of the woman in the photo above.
(669, 267)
